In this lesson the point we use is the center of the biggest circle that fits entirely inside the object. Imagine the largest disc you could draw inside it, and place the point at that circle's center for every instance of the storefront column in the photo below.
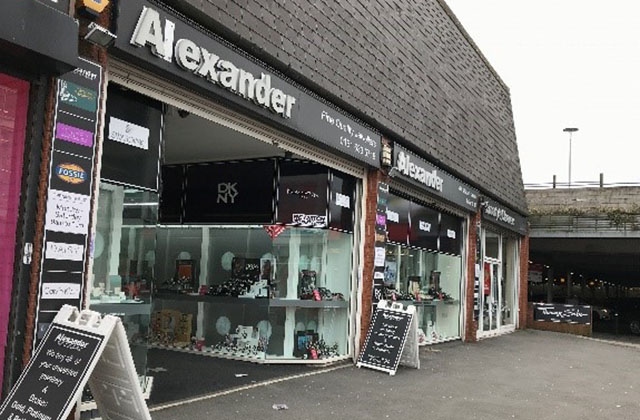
(374, 177)
(470, 323)
(523, 293)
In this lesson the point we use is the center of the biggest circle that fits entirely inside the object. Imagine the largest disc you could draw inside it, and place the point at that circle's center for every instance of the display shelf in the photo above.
(270, 359)
(212, 299)
(123, 308)
(303, 303)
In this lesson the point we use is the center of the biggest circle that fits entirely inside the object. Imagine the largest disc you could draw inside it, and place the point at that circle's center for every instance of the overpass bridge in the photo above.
(584, 243)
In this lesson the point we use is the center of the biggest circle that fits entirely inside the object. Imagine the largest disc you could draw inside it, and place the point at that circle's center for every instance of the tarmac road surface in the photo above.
(525, 375)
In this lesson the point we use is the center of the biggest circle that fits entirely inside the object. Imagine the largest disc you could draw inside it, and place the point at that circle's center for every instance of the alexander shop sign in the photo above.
(429, 177)
(157, 38)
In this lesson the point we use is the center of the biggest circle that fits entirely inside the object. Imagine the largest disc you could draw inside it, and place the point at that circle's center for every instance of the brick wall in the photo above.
(406, 67)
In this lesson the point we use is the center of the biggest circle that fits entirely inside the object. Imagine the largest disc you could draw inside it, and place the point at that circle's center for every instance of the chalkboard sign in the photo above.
(573, 314)
(387, 337)
(48, 387)
(78, 348)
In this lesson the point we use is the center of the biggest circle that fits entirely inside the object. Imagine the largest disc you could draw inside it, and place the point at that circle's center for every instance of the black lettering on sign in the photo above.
(385, 340)
(47, 388)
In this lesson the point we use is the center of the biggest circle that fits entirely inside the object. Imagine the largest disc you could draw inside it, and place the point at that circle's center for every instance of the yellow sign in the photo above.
(96, 6)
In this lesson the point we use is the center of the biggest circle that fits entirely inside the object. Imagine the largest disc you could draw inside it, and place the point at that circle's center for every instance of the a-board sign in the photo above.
(391, 340)
(77, 348)
(551, 312)
(51, 380)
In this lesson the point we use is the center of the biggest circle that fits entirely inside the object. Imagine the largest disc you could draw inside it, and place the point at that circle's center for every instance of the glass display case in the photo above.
(430, 281)
(257, 292)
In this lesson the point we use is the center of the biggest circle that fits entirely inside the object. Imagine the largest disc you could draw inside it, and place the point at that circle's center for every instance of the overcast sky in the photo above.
(568, 63)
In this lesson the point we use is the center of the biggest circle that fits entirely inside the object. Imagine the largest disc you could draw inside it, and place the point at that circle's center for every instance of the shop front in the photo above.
(498, 269)
(228, 216)
(428, 212)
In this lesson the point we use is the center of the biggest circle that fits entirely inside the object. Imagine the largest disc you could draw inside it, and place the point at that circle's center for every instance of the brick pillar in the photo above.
(471, 325)
(374, 177)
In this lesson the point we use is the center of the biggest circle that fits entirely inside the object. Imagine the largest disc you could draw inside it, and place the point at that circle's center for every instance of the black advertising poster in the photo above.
(573, 314)
(386, 339)
(424, 227)
(302, 194)
(286, 104)
(48, 386)
(131, 148)
(450, 234)
(171, 193)
(342, 190)
(398, 219)
(230, 192)
(70, 185)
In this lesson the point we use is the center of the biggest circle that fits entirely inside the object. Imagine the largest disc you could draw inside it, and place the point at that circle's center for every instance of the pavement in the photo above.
(525, 375)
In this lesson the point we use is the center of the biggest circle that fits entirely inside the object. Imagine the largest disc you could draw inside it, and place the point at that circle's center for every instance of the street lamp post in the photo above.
(570, 130)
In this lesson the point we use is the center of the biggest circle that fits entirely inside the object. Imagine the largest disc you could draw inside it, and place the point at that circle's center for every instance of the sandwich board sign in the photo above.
(78, 348)
(392, 339)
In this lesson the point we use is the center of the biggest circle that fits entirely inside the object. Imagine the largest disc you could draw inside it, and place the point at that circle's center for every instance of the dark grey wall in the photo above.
(406, 67)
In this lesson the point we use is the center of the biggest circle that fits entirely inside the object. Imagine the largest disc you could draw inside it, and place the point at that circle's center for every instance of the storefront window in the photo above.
(254, 294)
(431, 281)
(124, 262)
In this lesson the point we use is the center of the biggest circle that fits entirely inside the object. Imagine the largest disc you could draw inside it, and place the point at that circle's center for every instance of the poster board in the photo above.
(78, 347)
(392, 339)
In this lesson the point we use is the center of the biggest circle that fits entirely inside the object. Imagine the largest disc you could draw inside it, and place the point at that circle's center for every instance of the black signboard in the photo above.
(69, 190)
(131, 147)
(286, 104)
(230, 192)
(573, 314)
(380, 242)
(48, 386)
(171, 193)
(430, 178)
(503, 216)
(398, 220)
(450, 234)
(386, 339)
(302, 194)
(424, 227)
(342, 189)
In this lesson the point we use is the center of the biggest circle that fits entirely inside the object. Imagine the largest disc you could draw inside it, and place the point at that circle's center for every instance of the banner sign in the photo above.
(68, 207)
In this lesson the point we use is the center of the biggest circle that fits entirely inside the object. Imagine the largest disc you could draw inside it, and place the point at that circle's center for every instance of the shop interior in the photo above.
(256, 282)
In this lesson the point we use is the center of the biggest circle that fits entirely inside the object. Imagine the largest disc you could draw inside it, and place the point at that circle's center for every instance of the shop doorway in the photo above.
(499, 285)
